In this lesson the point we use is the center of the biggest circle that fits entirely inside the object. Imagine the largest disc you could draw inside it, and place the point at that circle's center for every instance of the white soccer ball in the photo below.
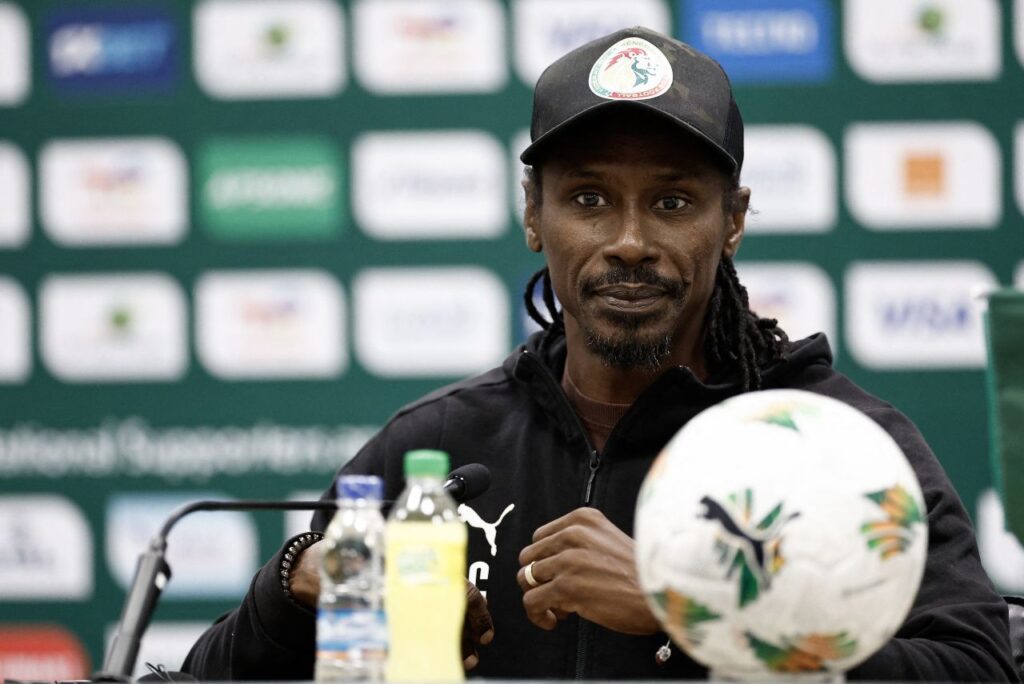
(779, 534)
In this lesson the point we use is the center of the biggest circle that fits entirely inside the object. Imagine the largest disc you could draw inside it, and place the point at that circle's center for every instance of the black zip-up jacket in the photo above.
(517, 421)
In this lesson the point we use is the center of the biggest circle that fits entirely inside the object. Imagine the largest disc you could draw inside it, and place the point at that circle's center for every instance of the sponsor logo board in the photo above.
(164, 643)
(1018, 156)
(270, 188)
(213, 555)
(1001, 552)
(114, 327)
(15, 214)
(545, 30)
(41, 653)
(429, 46)
(762, 40)
(1018, 276)
(1018, 29)
(900, 41)
(923, 175)
(916, 314)
(799, 295)
(527, 326)
(444, 184)
(15, 333)
(45, 549)
(422, 322)
(519, 143)
(791, 173)
(297, 522)
(116, 191)
(271, 324)
(15, 63)
(122, 50)
(258, 49)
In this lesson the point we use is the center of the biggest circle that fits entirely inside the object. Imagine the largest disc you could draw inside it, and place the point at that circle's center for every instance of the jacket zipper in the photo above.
(595, 464)
(583, 628)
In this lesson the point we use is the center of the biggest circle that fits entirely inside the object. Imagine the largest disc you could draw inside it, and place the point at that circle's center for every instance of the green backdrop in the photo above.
(947, 404)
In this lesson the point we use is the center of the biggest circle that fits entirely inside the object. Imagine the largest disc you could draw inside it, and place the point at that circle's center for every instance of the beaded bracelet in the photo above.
(298, 545)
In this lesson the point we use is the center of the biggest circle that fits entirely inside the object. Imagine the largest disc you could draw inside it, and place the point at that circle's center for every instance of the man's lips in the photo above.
(622, 296)
(629, 292)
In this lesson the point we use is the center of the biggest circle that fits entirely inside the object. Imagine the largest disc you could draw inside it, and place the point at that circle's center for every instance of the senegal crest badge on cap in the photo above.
(632, 69)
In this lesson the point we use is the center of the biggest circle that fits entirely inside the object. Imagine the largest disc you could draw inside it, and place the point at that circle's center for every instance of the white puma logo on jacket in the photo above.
(473, 519)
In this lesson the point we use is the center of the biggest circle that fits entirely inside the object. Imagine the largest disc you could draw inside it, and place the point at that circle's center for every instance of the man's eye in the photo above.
(590, 199)
(670, 203)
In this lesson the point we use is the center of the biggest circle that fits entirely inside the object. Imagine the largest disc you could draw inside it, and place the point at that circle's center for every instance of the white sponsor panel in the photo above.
(15, 70)
(519, 143)
(1018, 156)
(15, 216)
(429, 46)
(545, 30)
(791, 173)
(15, 333)
(1018, 29)
(916, 314)
(46, 549)
(1001, 552)
(164, 643)
(446, 184)
(297, 522)
(1018, 276)
(920, 175)
(212, 555)
(799, 295)
(271, 324)
(900, 41)
(114, 327)
(113, 191)
(421, 322)
(257, 49)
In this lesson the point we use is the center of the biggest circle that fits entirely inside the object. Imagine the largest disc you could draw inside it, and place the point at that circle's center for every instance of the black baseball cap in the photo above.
(638, 67)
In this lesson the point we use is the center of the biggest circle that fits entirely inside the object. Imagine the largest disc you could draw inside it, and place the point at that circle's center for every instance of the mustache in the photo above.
(639, 275)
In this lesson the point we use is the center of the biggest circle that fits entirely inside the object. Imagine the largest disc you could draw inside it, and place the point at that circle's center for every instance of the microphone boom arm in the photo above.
(152, 574)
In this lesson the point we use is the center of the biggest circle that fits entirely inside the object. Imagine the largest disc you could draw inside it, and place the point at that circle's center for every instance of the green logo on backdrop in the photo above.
(270, 188)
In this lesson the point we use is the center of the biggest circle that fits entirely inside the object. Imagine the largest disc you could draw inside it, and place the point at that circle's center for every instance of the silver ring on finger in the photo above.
(530, 579)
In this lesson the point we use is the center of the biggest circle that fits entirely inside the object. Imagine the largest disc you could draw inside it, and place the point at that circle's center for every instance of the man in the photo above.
(633, 198)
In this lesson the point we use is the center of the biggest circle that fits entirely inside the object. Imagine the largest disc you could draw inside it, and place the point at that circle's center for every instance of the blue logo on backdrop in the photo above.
(111, 50)
(928, 315)
(762, 40)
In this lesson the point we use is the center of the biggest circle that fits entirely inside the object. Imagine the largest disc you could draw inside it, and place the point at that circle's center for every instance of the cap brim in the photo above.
(532, 153)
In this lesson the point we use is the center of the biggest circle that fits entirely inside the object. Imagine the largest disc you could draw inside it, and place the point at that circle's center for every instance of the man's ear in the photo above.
(738, 206)
(531, 215)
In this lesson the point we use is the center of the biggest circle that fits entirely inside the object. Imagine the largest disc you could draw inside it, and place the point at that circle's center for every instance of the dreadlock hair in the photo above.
(736, 337)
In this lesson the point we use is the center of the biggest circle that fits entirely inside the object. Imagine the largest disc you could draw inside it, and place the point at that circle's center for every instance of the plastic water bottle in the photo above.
(426, 576)
(351, 633)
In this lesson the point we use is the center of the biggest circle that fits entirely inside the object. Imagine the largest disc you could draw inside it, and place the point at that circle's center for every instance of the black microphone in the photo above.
(468, 482)
(152, 573)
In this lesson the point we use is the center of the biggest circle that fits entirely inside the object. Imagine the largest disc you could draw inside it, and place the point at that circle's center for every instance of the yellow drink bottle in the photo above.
(425, 571)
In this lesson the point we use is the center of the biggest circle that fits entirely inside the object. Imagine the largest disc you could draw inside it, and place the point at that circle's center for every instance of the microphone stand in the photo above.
(152, 574)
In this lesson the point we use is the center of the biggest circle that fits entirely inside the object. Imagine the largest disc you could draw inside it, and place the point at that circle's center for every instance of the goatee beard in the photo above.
(629, 352)
(629, 349)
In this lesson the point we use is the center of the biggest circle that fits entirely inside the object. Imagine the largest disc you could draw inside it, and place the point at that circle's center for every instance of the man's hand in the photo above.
(477, 629)
(584, 564)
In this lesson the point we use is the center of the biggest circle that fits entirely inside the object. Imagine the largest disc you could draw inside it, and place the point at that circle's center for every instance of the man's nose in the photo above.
(631, 243)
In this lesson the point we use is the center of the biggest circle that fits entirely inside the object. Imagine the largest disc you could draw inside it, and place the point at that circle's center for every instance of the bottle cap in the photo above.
(369, 487)
(426, 463)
